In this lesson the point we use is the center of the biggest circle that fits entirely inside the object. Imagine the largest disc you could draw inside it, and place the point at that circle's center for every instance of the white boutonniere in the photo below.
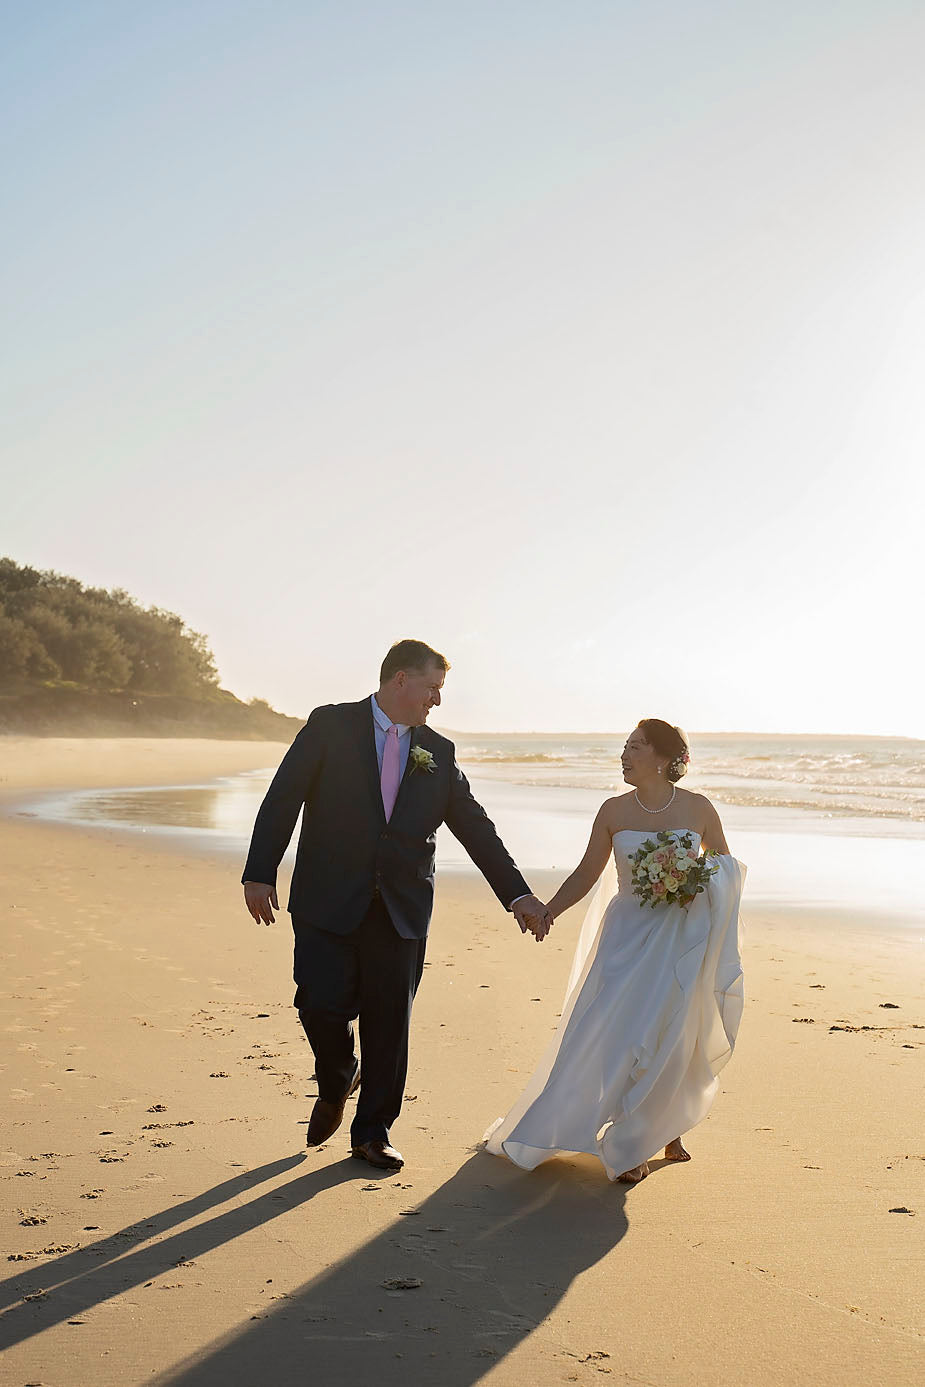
(421, 760)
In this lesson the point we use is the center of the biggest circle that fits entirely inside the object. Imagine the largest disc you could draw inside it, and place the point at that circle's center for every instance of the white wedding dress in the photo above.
(650, 1017)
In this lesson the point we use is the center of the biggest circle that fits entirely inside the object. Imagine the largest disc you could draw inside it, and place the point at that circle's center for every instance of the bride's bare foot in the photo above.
(632, 1177)
(674, 1151)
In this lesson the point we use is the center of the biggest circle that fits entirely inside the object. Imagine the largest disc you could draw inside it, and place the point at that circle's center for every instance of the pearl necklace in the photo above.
(674, 791)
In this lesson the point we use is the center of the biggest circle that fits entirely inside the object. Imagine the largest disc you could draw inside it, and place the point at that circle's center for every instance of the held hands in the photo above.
(261, 901)
(531, 914)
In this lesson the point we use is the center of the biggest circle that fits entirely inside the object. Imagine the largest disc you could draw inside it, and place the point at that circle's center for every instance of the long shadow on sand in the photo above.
(494, 1250)
(93, 1274)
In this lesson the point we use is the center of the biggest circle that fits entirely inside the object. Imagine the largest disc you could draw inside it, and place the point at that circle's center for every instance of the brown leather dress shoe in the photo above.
(380, 1154)
(327, 1117)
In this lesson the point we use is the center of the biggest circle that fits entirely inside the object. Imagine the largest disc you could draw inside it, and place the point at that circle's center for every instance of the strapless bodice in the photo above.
(626, 841)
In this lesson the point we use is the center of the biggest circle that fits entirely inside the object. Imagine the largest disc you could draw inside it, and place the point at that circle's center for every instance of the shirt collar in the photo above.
(384, 722)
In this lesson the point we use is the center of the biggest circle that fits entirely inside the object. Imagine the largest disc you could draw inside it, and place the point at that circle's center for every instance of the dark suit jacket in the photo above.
(347, 852)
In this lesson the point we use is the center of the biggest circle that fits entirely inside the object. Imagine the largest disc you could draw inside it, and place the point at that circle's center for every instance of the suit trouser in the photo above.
(372, 973)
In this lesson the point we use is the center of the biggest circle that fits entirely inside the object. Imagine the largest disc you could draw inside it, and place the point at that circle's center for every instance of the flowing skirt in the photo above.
(650, 1018)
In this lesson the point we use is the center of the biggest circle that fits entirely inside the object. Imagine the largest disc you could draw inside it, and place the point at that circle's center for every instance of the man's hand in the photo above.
(531, 914)
(261, 901)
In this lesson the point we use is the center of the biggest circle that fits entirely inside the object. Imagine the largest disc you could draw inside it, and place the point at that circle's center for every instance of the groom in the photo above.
(373, 783)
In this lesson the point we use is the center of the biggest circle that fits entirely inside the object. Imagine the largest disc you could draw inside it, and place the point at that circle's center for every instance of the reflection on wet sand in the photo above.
(226, 807)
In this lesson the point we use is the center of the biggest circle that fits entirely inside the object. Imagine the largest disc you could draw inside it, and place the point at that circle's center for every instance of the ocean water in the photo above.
(868, 777)
(876, 783)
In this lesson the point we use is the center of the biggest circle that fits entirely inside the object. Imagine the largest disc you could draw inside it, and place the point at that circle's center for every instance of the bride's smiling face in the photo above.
(640, 760)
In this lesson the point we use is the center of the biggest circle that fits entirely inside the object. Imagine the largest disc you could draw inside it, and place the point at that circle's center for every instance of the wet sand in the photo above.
(164, 1224)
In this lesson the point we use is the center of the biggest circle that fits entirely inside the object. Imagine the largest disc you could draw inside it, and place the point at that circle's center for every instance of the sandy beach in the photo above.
(163, 1223)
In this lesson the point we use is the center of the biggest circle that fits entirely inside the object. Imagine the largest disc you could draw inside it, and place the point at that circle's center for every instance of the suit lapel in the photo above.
(367, 740)
(409, 765)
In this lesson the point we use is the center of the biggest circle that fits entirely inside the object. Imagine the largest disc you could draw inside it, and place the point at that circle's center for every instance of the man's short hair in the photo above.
(410, 655)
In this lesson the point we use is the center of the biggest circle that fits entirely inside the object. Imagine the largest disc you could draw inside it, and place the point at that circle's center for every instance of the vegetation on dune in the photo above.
(71, 652)
(52, 627)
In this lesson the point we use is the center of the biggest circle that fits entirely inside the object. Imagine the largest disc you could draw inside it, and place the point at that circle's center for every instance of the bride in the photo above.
(655, 993)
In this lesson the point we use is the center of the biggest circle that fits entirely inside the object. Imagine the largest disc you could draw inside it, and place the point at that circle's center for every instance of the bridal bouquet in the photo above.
(668, 869)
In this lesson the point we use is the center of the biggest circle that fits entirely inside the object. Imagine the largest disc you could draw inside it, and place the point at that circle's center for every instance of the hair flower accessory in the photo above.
(421, 760)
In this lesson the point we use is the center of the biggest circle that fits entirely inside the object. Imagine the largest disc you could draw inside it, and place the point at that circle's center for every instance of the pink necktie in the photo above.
(390, 776)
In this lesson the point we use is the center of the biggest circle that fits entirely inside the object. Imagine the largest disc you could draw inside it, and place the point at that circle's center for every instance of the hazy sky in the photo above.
(581, 340)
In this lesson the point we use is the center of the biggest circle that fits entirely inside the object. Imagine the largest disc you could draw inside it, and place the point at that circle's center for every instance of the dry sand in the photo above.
(164, 1224)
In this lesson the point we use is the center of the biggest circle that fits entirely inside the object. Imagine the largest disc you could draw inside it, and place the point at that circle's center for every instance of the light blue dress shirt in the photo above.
(381, 725)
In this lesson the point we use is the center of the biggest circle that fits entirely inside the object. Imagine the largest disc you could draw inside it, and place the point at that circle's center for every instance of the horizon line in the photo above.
(702, 732)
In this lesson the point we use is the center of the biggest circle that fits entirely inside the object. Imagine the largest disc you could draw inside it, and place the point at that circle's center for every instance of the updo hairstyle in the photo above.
(668, 741)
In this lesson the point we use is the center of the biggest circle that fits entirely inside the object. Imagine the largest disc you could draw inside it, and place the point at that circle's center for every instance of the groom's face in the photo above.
(416, 692)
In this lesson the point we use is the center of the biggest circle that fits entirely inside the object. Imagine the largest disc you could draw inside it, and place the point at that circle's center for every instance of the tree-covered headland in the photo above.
(76, 659)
